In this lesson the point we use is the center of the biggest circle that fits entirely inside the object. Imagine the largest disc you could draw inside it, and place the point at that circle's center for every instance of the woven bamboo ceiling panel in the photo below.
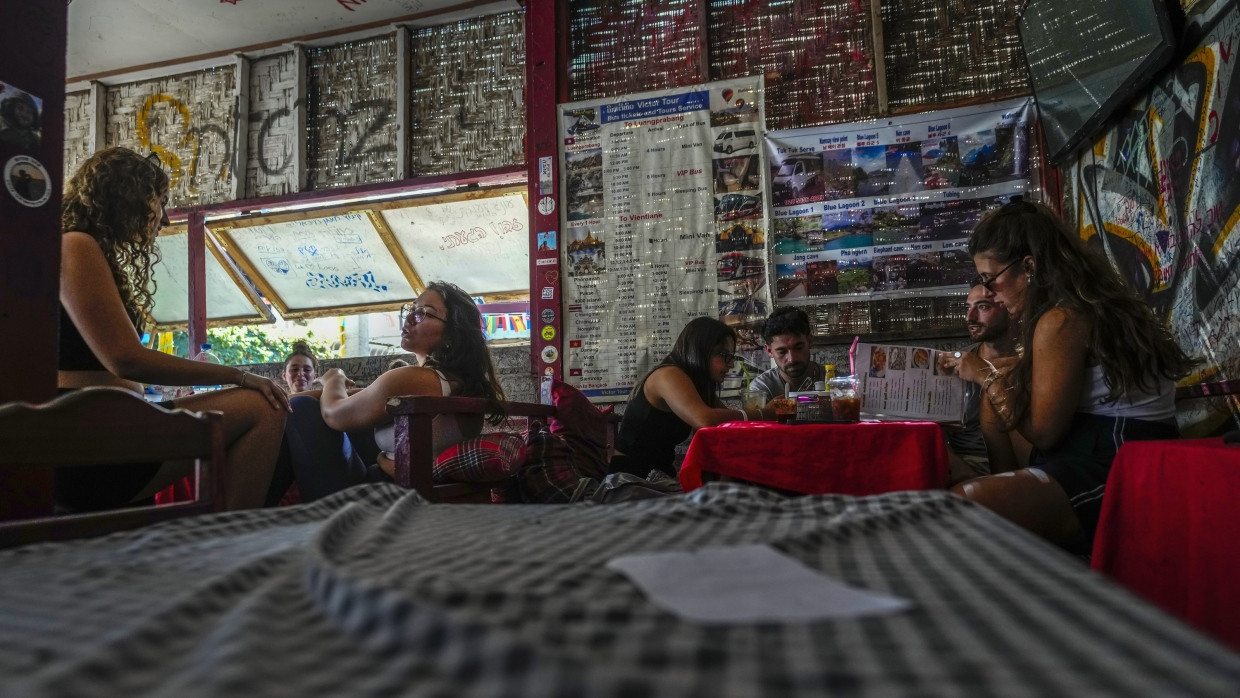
(941, 52)
(623, 46)
(818, 56)
(467, 99)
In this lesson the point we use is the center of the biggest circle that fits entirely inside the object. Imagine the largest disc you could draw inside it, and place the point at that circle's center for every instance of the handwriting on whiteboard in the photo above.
(355, 280)
(478, 233)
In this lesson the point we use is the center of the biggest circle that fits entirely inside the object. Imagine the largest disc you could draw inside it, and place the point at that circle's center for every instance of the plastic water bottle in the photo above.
(207, 356)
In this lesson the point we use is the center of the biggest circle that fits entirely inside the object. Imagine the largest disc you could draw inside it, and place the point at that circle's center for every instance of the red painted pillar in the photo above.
(32, 71)
(545, 85)
(197, 280)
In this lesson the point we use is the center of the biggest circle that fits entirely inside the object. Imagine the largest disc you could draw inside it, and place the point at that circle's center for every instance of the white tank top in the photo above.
(445, 428)
(1148, 406)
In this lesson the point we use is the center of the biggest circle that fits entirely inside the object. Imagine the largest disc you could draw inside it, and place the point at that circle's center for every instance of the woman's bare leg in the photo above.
(1030, 500)
(252, 432)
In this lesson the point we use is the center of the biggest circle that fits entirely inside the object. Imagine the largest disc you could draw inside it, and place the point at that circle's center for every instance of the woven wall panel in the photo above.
(78, 111)
(351, 113)
(623, 46)
(467, 101)
(188, 119)
(940, 52)
(817, 55)
(272, 133)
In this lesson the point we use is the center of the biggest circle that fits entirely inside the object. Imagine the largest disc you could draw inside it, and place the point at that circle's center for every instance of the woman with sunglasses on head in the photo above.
(1097, 369)
(443, 330)
(112, 211)
(679, 395)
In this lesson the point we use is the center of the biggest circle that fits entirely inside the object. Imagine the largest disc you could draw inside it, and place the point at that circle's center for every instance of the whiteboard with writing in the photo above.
(337, 262)
(481, 245)
(227, 303)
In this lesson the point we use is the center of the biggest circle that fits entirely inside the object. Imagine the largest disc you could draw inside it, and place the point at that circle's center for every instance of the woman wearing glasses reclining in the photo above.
(1097, 369)
(443, 329)
(112, 211)
(679, 395)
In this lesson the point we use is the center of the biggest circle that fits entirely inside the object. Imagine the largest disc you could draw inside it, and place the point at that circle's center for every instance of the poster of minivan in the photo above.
(736, 140)
(797, 179)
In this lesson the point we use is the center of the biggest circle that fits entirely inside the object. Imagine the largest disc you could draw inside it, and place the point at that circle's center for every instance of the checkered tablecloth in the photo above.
(373, 592)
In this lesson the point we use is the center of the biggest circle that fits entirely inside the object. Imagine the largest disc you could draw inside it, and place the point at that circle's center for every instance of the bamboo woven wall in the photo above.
(351, 105)
(272, 128)
(625, 46)
(189, 120)
(467, 95)
(78, 112)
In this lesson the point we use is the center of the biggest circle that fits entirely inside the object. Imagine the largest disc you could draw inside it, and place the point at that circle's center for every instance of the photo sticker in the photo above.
(21, 118)
(550, 354)
(27, 181)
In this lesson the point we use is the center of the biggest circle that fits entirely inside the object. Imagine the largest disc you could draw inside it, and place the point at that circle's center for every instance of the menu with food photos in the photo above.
(904, 382)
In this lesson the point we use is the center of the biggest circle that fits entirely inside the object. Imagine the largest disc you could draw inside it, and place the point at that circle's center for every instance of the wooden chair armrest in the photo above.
(99, 426)
(415, 454)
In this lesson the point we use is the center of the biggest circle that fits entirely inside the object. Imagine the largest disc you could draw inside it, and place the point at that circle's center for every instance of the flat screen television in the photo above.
(1088, 58)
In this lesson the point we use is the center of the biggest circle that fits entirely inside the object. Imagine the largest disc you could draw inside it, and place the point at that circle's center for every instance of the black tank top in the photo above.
(649, 436)
(75, 353)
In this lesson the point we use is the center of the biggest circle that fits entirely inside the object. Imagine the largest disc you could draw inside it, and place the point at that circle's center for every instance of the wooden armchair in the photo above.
(415, 455)
(96, 426)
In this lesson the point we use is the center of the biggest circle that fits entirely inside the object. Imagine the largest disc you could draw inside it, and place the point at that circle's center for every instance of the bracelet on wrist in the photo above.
(991, 377)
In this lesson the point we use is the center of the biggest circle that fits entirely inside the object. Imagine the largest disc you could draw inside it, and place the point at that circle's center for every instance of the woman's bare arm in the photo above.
(368, 407)
(90, 297)
(670, 388)
(1060, 350)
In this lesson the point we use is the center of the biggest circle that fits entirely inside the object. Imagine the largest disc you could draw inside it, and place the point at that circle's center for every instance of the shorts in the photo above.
(86, 488)
(1081, 461)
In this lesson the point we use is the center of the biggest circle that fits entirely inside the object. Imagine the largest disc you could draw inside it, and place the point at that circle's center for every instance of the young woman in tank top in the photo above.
(112, 211)
(443, 330)
(679, 395)
(1097, 368)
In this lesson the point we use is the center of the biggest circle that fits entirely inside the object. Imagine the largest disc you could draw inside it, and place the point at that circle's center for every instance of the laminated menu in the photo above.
(904, 382)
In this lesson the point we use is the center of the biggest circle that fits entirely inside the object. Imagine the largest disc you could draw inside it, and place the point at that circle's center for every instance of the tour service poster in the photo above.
(664, 221)
(904, 382)
(883, 209)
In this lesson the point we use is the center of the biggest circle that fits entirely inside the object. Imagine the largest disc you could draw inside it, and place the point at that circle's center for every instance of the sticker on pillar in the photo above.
(545, 179)
(548, 293)
(547, 315)
(27, 181)
(546, 241)
(548, 332)
(546, 205)
(550, 354)
(21, 115)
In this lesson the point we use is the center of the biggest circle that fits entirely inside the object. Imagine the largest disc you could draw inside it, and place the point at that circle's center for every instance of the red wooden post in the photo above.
(32, 60)
(197, 281)
(544, 80)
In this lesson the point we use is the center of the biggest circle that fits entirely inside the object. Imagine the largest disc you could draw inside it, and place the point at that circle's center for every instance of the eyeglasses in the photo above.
(419, 314)
(728, 357)
(986, 283)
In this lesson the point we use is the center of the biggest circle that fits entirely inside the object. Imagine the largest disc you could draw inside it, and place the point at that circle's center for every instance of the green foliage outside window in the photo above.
(245, 344)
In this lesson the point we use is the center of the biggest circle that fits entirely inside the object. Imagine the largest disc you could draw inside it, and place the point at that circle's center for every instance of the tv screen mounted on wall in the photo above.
(1088, 58)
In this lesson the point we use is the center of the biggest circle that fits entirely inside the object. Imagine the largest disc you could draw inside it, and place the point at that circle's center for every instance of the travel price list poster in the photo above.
(641, 251)
(884, 209)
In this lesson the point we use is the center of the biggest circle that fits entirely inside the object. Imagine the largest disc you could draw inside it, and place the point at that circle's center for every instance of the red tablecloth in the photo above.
(1170, 530)
(857, 459)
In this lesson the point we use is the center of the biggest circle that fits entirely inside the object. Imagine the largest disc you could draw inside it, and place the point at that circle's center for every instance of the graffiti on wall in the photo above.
(1159, 194)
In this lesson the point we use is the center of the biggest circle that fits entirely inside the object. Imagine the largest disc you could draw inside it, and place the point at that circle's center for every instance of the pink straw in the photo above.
(852, 355)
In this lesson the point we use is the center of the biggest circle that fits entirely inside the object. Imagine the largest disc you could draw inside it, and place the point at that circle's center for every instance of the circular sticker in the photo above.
(546, 205)
(547, 315)
(548, 332)
(27, 181)
(550, 354)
